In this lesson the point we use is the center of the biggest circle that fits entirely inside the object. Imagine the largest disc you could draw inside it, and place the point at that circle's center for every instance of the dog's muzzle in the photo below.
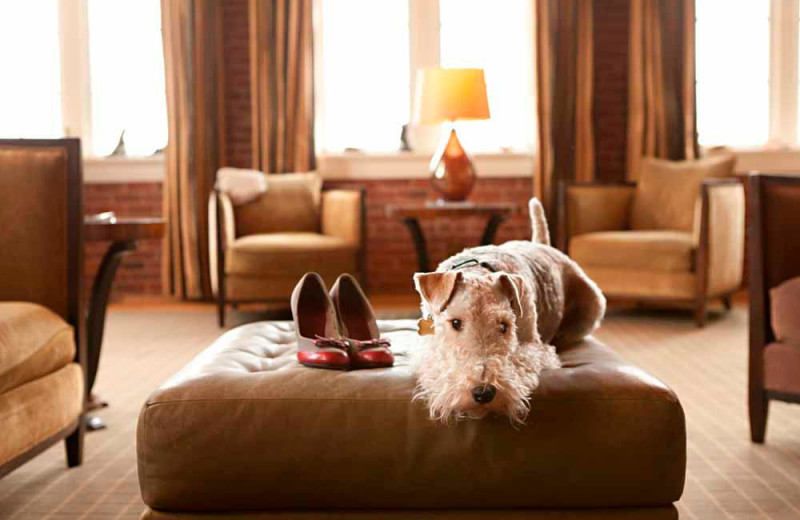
(483, 394)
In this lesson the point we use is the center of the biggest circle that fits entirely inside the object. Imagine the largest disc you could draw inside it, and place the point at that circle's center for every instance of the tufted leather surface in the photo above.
(244, 427)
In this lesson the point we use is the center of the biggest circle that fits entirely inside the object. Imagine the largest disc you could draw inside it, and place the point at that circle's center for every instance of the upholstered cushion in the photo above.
(782, 367)
(33, 263)
(39, 409)
(33, 342)
(287, 254)
(634, 250)
(785, 310)
(667, 191)
(291, 203)
(245, 427)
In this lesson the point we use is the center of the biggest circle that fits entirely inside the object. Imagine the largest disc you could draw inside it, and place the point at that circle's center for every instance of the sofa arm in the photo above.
(219, 203)
(342, 215)
(721, 236)
(588, 208)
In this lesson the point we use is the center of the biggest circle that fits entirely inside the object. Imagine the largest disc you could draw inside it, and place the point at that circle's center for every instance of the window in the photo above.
(126, 64)
(733, 75)
(505, 51)
(370, 53)
(63, 61)
(30, 91)
(364, 98)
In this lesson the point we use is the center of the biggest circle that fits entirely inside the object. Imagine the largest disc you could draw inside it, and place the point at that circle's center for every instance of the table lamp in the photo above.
(445, 96)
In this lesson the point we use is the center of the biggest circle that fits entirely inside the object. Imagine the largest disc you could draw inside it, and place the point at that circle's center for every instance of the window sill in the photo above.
(414, 165)
(122, 170)
(768, 161)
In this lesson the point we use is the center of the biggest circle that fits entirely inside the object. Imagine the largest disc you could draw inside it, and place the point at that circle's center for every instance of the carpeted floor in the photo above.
(728, 477)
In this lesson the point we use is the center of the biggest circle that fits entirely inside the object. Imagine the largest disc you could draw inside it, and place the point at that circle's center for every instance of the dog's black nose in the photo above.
(483, 394)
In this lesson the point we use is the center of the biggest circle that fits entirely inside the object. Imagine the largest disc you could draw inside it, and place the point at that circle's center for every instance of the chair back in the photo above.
(40, 239)
(774, 247)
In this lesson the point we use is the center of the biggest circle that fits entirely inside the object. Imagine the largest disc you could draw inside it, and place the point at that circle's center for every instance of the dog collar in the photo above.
(474, 262)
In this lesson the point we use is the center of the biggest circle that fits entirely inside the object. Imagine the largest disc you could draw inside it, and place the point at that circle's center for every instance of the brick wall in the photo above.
(236, 76)
(139, 272)
(610, 107)
(391, 258)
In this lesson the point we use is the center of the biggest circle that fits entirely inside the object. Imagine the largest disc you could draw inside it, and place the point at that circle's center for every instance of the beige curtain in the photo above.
(282, 85)
(192, 57)
(565, 84)
(661, 82)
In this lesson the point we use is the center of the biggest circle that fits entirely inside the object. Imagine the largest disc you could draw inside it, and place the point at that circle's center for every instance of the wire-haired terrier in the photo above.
(490, 317)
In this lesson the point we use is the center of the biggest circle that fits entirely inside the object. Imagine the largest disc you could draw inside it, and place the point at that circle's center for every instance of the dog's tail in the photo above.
(539, 231)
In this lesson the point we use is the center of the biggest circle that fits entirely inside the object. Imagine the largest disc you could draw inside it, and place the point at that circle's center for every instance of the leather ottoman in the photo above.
(245, 432)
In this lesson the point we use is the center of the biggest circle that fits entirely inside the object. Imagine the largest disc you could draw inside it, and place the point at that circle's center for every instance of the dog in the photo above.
(493, 314)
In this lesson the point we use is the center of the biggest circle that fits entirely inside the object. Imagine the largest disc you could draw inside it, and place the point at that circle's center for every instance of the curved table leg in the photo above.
(101, 289)
(491, 229)
(419, 243)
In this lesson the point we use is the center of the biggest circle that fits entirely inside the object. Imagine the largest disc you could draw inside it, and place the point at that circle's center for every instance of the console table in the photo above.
(411, 214)
(123, 234)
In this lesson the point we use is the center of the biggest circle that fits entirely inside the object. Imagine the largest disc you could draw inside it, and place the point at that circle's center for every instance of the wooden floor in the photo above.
(728, 477)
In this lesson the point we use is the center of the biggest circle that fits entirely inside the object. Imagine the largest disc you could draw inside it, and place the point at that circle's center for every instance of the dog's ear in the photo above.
(437, 288)
(511, 284)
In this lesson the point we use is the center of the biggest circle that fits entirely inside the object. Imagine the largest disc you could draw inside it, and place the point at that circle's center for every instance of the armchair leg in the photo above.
(221, 312)
(74, 444)
(700, 313)
(759, 411)
(726, 302)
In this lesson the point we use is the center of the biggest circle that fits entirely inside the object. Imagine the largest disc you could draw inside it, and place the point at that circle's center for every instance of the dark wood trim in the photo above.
(786, 397)
(760, 333)
(76, 315)
(701, 259)
(39, 448)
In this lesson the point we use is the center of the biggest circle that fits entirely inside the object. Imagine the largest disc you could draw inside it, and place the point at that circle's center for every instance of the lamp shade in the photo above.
(450, 94)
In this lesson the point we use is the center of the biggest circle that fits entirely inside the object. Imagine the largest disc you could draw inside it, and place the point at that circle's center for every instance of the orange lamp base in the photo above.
(453, 174)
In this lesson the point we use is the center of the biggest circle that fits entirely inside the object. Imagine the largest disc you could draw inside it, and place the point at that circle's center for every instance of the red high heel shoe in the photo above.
(319, 343)
(358, 325)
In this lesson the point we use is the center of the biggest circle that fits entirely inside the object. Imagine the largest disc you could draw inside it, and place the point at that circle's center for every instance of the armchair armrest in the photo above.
(221, 234)
(720, 226)
(588, 208)
(342, 215)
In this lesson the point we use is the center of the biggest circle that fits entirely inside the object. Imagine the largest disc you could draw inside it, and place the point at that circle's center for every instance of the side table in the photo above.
(123, 234)
(411, 214)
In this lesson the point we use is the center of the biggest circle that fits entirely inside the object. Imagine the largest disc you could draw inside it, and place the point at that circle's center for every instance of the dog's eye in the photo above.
(456, 323)
(503, 327)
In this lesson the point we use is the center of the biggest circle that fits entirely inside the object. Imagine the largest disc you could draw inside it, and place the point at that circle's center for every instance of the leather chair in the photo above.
(773, 258)
(42, 352)
(267, 244)
(676, 237)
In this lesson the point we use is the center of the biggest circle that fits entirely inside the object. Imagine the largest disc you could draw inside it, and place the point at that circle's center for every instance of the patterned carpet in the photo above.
(728, 477)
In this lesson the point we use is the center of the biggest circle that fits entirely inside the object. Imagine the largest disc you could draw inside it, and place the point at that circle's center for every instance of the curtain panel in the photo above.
(192, 34)
(282, 85)
(661, 82)
(565, 82)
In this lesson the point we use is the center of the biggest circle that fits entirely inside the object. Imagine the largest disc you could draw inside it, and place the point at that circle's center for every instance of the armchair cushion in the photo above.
(785, 310)
(641, 250)
(34, 342)
(781, 367)
(291, 203)
(288, 255)
(667, 192)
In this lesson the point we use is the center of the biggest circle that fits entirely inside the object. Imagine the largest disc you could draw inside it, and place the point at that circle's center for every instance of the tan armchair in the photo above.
(269, 243)
(42, 350)
(676, 237)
